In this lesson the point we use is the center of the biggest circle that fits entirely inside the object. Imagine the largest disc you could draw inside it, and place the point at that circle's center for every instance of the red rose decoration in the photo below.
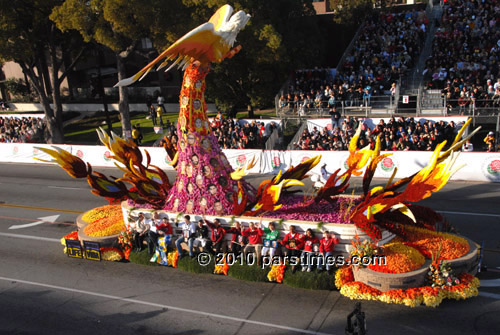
(387, 162)
(495, 165)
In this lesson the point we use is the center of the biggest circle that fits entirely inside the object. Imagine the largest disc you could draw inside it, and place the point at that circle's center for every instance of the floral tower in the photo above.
(204, 183)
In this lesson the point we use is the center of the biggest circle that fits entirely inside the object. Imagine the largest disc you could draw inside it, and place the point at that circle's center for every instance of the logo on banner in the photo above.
(167, 159)
(15, 150)
(491, 168)
(276, 162)
(304, 159)
(241, 160)
(107, 156)
(36, 152)
(387, 164)
(79, 154)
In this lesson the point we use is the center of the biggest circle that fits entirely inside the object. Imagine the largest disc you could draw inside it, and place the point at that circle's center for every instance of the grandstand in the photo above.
(438, 61)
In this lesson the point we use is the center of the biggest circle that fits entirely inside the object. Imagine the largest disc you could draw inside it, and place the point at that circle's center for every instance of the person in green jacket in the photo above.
(271, 236)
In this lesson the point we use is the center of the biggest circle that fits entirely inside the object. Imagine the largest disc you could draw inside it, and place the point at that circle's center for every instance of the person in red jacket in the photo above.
(216, 243)
(293, 245)
(237, 241)
(326, 248)
(254, 235)
(311, 247)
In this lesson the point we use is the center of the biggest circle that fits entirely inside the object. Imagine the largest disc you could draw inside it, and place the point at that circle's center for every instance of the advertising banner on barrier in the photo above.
(478, 166)
(273, 161)
(240, 158)
(24, 152)
(96, 155)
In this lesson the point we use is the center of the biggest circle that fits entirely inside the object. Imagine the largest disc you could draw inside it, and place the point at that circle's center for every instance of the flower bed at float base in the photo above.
(405, 278)
(427, 295)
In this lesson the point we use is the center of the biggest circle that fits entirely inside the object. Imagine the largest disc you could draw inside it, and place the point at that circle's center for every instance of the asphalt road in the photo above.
(44, 292)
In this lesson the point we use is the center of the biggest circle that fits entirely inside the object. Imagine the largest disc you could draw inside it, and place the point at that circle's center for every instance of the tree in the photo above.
(350, 11)
(30, 39)
(281, 36)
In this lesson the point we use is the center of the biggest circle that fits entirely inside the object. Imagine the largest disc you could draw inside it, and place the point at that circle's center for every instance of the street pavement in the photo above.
(42, 291)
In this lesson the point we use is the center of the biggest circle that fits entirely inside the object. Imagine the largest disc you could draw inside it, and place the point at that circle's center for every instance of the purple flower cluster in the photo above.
(302, 208)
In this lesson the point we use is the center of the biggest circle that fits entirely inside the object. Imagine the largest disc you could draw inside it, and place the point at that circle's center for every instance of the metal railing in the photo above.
(373, 104)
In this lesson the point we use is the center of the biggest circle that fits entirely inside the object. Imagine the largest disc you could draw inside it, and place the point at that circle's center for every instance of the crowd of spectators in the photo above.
(466, 53)
(231, 134)
(21, 130)
(386, 49)
(395, 135)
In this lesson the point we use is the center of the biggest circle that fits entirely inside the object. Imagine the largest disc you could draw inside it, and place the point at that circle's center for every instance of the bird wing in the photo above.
(221, 16)
(202, 43)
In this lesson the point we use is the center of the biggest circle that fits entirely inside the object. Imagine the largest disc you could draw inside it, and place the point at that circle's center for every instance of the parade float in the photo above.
(423, 266)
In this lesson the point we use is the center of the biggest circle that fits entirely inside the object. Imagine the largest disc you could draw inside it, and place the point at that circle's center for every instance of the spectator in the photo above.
(490, 141)
(21, 130)
(161, 103)
(136, 134)
(335, 115)
(468, 147)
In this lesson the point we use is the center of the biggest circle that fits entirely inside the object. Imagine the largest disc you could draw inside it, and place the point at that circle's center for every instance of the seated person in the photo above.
(140, 229)
(159, 228)
(254, 235)
(202, 237)
(216, 243)
(270, 240)
(293, 245)
(188, 234)
(237, 242)
(310, 243)
(326, 248)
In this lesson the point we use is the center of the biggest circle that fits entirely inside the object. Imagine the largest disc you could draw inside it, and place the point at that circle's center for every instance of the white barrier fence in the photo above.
(478, 166)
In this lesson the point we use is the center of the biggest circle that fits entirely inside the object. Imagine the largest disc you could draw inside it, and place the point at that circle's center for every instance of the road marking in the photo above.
(490, 295)
(179, 309)
(43, 219)
(67, 188)
(490, 282)
(30, 237)
(41, 208)
(469, 213)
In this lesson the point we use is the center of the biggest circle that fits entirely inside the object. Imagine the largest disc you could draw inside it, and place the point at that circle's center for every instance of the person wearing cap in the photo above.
(326, 248)
(490, 141)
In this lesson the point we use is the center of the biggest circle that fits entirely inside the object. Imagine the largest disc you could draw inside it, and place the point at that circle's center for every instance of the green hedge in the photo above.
(307, 280)
(310, 280)
(192, 265)
(249, 272)
(142, 258)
